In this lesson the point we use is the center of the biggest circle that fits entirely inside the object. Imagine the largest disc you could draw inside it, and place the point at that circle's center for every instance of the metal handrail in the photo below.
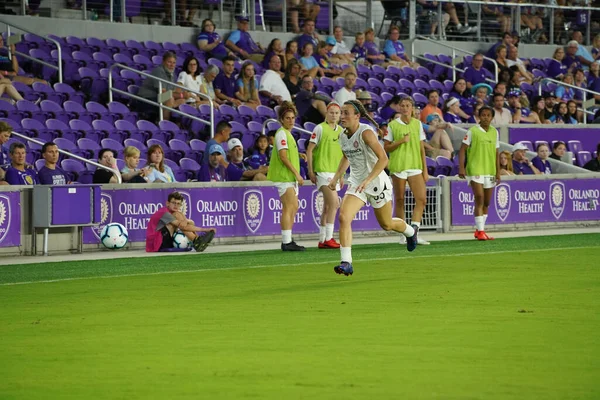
(295, 128)
(497, 3)
(71, 155)
(112, 89)
(454, 50)
(27, 56)
(585, 91)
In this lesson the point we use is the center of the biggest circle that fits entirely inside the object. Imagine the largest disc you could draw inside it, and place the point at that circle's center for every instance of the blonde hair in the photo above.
(5, 127)
(131, 151)
(509, 166)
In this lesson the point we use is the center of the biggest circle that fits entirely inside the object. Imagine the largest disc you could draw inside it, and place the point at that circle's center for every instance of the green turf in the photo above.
(446, 322)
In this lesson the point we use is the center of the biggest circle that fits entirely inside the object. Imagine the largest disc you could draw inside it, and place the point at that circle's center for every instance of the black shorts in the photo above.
(167, 239)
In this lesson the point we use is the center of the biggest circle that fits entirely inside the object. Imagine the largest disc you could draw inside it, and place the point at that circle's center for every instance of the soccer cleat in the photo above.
(344, 268)
(422, 242)
(476, 234)
(329, 244)
(481, 235)
(291, 246)
(411, 242)
(201, 242)
(416, 228)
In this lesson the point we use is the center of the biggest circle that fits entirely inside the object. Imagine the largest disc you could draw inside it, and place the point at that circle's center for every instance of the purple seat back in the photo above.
(65, 144)
(176, 144)
(189, 164)
(137, 144)
(198, 145)
(112, 144)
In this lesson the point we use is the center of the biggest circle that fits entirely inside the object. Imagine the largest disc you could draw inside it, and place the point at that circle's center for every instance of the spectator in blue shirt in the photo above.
(50, 173)
(211, 42)
(242, 43)
(394, 49)
(584, 56)
(222, 132)
(19, 173)
(310, 62)
(213, 170)
(5, 130)
(225, 83)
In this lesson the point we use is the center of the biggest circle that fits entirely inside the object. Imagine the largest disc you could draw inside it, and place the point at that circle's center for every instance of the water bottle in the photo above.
(94, 15)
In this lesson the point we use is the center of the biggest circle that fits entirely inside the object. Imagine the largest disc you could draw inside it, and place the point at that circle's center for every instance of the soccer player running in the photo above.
(481, 144)
(284, 170)
(404, 144)
(323, 155)
(367, 182)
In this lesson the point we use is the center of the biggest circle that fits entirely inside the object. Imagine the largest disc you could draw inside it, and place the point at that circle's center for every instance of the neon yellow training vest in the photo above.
(407, 155)
(279, 172)
(328, 154)
(481, 154)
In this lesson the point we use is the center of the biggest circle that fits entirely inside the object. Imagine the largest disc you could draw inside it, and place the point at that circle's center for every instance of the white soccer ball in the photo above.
(114, 236)
(180, 241)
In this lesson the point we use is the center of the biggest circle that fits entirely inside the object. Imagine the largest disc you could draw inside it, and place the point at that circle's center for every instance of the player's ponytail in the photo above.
(360, 109)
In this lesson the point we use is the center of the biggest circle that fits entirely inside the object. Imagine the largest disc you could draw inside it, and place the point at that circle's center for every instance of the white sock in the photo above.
(328, 231)
(322, 233)
(458, 26)
(286, 236)
(409, 231)
(346, 253)
(484, 218)
(479, 223)
(417, 224)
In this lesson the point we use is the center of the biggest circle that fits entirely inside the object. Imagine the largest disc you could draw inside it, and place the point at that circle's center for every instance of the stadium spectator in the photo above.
(365, 99)
(574, 112)
(594, 80)
(538, 109)
(521, 164)
(520, 113)
(429, 13)
(247, 86)
(454, 114)
(225, 83)
(242, 44)
(437, 137)
(476, 73)
(311, 107)
(284, 170)
(541, 160)
(391, 107)
(559, 148)
(108, 158)
(432, 106)
(502, 88)
(341, 49)
(360, 50)
(450, 8)
(207, 79)
(583, 55)
(211, 43)
(130, 173)
(327, 63)
(150, 87)
(5, 132)
(556, 67)
(275, 48)
(215, 169)
(460, 91)
(292, 78)
(501, 54)
(594, 164)
(19, 172)
(238, 169)
(499, 13)
(222, 132)
(260, 152)
(596, 48)
(310, 62)
(571, 59)
(347, 92)
(561, 115)
(507, 40)
(580, 81)
(550, 101)
(514, 60)
(50, 173)
(373, 54)
(9, 68)
(505, 162)
(7, 87)
(502, 115)
(191, 79)
(291, 53)
(308, 34)
(394, 49)
(158, 171)
(482, 92)
(565, 93)
(531, 19)
(167, 220)
(271, 84)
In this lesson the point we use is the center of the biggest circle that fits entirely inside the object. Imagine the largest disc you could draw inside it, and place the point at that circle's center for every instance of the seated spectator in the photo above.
(521, 164)
(594, 164)
(291, 53)
(5, 132)
(541, 160)
(565, 93)
(531, 19)
(242, 44)
(310, 62)
(391, 107)
(347, 92)
(559, 149)
(211, 43)
(451, 111)
(311, 107)
(225, 83)
(501, 54)
(222, 132)
(275, 48)
(581, 82)
(292, 78)
(9, 68)
(50, 173)
(596, 48)
(365, 99)
(583, 55)
(150, 87)
(341, 49)
(207, 85)
(561, 115)
(260, 152)
(476, 73)
(450, 8)
(214, 170)
(556, 67)
(167, 220)
(538, 109)
(513, 59)
(108, 158)
(432, 106)
(571, 59)
(502, 115)
(505, 161)
(460, 92)
(550, 101)
(326, 62)
(498, 13)
(158, 171)
(271, 84)
(130, 173)
(7, 87)
(502, 88)
(19, 172)
(308, 34)
(191, 79)
(521, 114)
(481, 92)
(394, 49)
(374, 56)
(507, 40)
(238, 170)
(594, 80)
(359, 50)
(437, 137)
(247, 86)
(574, 112)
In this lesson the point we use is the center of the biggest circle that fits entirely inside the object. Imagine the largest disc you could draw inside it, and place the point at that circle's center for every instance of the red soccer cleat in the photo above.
(476, 234)
(329, 244)
(481, 235)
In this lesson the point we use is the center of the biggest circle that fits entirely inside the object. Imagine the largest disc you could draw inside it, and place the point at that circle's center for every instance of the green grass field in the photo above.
(509, 319)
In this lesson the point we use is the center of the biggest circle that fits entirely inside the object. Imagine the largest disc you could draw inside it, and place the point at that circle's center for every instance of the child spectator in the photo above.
(130, 172)
(505, 160)
(247, 86)
(541, 160)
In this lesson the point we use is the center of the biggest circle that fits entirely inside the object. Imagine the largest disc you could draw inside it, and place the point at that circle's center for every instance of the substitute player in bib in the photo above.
(481, 144)
(323, 155)
(368, 182)
(284, 170)
(404, 144)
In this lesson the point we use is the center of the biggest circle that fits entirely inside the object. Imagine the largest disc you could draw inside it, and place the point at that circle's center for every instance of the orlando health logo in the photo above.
(317, 206)
(503, 198)
(186, 208)
(5, 214)
(253, 209)
(557, 199)
(106, 214)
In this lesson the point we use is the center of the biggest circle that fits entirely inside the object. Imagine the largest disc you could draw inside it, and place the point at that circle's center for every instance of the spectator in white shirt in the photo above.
(513, 59)
(190, 78)
(347, 92)
(502, 116)
(340, 48)
(271, 84)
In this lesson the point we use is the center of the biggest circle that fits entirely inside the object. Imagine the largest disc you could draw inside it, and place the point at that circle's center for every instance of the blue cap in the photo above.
(240, 18)
(215, 148)
(432, 116)
(331, 41)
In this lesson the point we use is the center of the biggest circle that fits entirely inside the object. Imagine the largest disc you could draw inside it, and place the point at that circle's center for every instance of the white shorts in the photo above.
(323, 179)
(487, 181)
(282, 187)
(376, 201)
(407, 173)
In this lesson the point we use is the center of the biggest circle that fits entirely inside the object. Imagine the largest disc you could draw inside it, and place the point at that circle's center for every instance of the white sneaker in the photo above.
(402, 239)
(422, 241)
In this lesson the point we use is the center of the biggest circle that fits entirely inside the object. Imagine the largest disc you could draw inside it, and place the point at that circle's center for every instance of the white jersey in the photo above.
(362, 159)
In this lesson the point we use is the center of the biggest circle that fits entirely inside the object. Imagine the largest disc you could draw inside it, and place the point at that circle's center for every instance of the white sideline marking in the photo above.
(291, 265)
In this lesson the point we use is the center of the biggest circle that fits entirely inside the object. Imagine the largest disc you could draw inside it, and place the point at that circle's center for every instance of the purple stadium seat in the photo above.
(539, 142)
(435, 84)
(116, 46)
(361, 84)
(444, 166)
(71, 147)
(39, 164)
(103, 59)
(255, 127)
(132, 130)
(47, 92)
(431, 166)
(54, 110)
(310, 126)
(78, 112)
(95, 43)
(170, 46)
(100, 112)
(90, 146)
(265, 112)
(238, 129)
(583, 157)
(215, 62)
(364, 72)
(153, 131)
(449, 85)
(574, 146)
(394, 73)
(28, 109)
(376, 86)
(69, 92)
(153, 47)
(113, 144)
(137, 48)
(64, 129)
(40, 131)
(40, 69)
(122, 111)
(184, 149)
(137, 144)
(79, 44)
(173, 130)
(421, 86)
(391, 85)
(248, 141)
(227, 111)
(190, 124)
(86, 60)
(157, 60)
(9, 111)
(86, 130)
(273, 125)
(77, 168)
(142, 60)
(189, 164)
